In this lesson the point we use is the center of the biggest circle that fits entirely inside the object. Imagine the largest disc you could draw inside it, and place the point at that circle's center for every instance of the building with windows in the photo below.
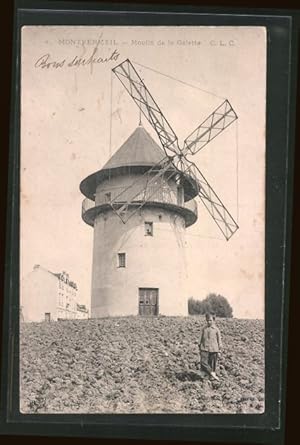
(49, 296)
(138, 265)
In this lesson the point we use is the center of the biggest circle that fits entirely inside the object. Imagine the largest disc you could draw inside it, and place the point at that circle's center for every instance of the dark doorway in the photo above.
(47, 316)
(148, 301)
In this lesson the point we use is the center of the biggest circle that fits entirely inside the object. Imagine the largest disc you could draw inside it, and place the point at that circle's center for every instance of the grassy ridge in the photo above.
(139, 365)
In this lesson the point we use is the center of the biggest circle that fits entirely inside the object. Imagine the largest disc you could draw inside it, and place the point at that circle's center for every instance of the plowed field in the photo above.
(139, 365)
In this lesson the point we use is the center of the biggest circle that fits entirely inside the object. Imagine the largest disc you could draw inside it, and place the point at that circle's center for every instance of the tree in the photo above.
(213, 303)
(194, 306)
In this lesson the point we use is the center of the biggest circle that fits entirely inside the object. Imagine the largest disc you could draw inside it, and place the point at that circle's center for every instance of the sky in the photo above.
(74, 116)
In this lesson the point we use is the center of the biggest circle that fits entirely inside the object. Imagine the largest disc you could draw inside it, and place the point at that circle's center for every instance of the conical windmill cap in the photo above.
(136, 155)
(138, 150)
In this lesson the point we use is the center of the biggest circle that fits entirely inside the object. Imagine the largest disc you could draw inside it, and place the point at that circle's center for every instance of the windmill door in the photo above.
(148, 301)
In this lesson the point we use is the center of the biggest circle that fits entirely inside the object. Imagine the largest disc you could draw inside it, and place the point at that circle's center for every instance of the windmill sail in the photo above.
(211, 201)
(212, 126)
(175, 165)
(136, 88)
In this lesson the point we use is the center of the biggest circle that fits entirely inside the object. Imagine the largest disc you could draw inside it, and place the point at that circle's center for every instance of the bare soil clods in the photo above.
(139, 365)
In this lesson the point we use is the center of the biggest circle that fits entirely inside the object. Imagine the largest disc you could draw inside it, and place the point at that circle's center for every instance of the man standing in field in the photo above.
(210, 345)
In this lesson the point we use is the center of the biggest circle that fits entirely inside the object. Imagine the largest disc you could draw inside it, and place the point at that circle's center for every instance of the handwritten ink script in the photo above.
(46, 61)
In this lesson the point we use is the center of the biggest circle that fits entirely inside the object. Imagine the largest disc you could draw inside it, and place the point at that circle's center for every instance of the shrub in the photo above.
(213, 303)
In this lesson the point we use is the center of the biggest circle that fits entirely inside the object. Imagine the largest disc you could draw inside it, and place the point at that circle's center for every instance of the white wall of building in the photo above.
(66, 301)
(38, 295)
(156, 261)
(43, 292)
(130, 185)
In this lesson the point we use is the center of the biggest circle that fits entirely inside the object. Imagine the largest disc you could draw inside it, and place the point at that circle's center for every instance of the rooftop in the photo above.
(138, 149)
(136, 155)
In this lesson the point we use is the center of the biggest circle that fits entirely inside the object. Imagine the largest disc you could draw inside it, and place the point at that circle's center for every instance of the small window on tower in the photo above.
(107, 197)
(122, 259)
(149, 228)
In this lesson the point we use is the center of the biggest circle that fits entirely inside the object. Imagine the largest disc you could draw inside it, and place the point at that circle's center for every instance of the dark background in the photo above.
(293, 401)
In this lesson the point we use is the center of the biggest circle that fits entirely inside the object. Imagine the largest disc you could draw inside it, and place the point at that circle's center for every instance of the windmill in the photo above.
(140, 204)
(176, 164)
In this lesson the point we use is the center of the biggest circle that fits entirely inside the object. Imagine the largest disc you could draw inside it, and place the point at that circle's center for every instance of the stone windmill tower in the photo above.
(138, 267)
(140, 204)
